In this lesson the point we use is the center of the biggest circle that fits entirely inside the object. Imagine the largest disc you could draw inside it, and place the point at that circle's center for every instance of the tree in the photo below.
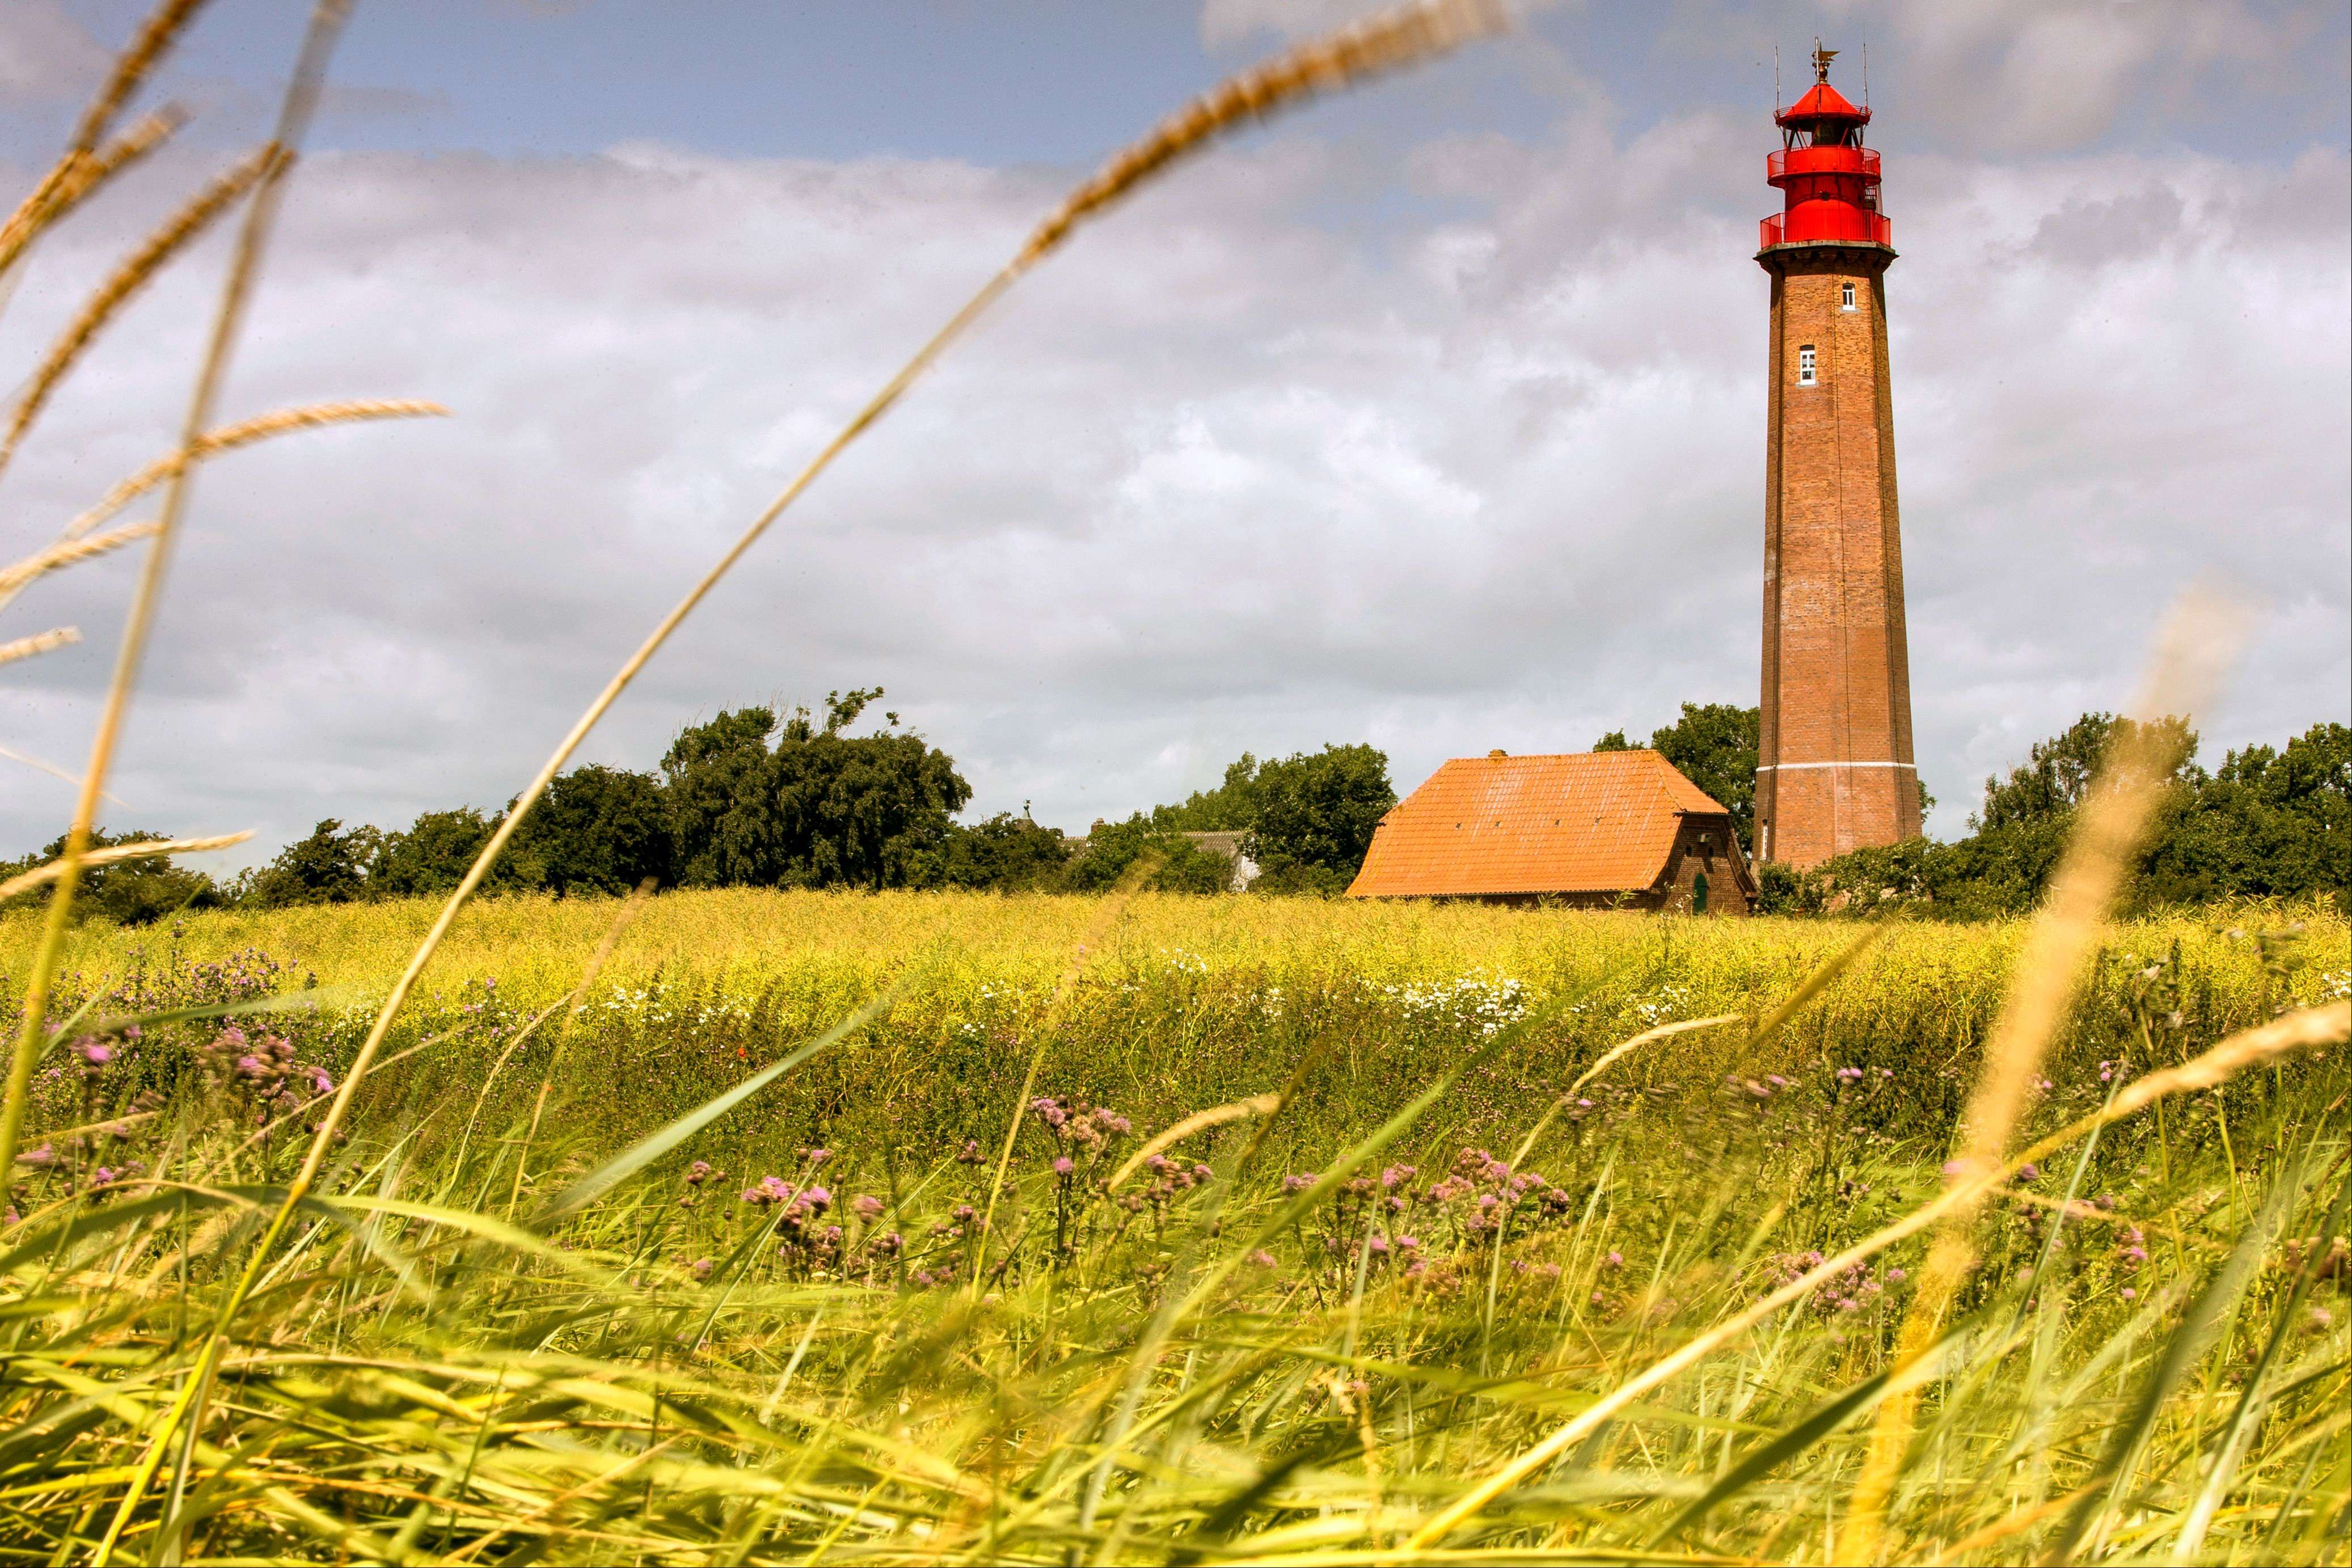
(1006, 854)
(128, 893)
(1230, 807)
(2267, 824)
(719, 796)
(819, 808)
(433, 855)
(329, 866)
(2059, 772)
(1113, 848)
(596, 830)
(1315, 816)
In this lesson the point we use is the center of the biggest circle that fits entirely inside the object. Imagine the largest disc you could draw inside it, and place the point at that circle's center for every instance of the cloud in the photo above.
(1227, 22)
(46, 56)
(1220, 476)
(2036, 76)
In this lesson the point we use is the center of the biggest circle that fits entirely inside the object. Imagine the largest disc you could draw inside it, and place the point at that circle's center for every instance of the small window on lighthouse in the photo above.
(1848, 300)
(1805, 366)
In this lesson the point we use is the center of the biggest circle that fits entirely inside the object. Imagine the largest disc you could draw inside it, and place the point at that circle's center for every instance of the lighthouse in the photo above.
(1835, 764)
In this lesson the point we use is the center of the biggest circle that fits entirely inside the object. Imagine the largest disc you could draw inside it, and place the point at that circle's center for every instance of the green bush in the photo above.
(1111, 849)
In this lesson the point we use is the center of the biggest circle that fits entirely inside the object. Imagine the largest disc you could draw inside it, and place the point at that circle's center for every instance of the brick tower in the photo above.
(1834, 768)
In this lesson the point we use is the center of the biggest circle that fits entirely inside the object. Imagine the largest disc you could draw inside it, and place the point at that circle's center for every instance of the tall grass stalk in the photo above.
(2195, 648)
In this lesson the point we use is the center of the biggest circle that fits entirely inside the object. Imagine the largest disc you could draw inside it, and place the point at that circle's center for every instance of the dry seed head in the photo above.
(66, 553)
(75, 176)
(229, 437)
(2198, 641)
(109, 856)
(1386, 42)
(133, 65)
(142, 264)
(37, 644)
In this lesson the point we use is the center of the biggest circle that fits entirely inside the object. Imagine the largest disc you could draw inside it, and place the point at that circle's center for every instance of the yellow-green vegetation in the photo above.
(557, 1297)
(1182, 1001)
(927, 1228)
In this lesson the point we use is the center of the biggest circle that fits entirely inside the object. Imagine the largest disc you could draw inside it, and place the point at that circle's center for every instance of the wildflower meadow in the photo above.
(1248, 1229)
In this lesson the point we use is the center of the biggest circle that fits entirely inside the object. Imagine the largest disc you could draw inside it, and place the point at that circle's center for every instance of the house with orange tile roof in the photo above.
(1603, 830)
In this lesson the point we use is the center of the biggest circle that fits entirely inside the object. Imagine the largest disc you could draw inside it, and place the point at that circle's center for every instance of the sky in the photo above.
(1431, 416)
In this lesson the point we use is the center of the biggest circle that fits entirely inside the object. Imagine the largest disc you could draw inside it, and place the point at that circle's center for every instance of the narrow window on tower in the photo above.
(1848, 300)
(1805, 366)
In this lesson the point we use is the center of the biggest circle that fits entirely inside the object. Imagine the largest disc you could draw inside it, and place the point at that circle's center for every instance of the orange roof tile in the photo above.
(1588, 821)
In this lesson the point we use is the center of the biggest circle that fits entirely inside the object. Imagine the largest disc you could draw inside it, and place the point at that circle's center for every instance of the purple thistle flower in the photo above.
(1064, 1165)
(866, 1206)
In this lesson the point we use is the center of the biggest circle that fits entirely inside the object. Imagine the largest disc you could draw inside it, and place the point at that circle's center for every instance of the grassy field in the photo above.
(847, 1320)
(1181, 1002)
(803, 1228)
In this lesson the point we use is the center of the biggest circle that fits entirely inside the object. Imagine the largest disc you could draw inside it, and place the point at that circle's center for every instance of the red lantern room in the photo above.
(1828, 178)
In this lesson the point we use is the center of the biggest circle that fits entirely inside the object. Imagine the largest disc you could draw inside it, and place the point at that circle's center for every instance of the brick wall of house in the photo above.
(1836, 701)
(1705, 844)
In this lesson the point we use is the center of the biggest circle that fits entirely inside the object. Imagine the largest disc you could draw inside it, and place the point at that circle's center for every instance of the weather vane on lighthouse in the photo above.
(1822, 58)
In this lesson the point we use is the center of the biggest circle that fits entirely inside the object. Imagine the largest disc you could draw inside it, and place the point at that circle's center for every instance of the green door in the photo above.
(1698, 894)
